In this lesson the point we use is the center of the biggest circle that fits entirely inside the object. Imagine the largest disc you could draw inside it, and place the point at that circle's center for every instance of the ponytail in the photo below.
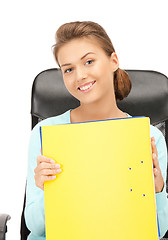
(122, 84)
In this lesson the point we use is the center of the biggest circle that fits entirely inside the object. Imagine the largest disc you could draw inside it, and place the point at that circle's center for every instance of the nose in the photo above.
(81, 74)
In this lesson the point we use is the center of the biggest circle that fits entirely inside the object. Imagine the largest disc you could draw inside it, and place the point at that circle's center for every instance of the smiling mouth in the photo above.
(87, 87)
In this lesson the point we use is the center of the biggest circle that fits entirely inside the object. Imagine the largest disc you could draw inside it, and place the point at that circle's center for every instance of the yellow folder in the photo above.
(106, 188)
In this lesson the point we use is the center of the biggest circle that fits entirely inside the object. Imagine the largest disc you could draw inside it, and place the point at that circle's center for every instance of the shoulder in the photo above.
(158, 135)
(60, 119)
(154, 131)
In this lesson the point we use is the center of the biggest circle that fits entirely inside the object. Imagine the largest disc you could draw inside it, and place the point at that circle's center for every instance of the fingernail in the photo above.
(52, 161)
(57, 165)
(59, 170)
(53, 177)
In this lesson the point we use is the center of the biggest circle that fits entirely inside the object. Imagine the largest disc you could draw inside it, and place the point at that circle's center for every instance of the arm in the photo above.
(160, 171)
(34, 209)
(40, 169)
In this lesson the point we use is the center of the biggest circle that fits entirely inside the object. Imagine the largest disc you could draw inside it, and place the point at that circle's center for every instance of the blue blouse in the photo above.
(34, 210)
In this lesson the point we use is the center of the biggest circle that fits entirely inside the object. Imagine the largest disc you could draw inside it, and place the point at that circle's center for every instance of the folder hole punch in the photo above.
(130, 168)
(143, 195)
(141, 161)
(130, 189)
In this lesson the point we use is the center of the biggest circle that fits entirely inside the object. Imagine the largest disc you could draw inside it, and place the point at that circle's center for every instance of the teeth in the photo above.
(86, 87)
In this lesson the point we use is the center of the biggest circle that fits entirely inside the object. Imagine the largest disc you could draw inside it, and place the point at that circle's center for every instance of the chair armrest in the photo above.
(3, 227)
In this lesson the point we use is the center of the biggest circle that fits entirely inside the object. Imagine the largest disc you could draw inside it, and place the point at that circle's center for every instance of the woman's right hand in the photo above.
(46, 170)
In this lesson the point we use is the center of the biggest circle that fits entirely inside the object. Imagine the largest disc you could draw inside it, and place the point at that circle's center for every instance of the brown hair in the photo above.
(74, 30)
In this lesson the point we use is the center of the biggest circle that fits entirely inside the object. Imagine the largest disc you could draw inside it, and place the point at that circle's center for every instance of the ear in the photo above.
(114, 61)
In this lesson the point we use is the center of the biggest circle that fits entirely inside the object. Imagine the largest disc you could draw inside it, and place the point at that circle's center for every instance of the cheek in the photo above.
(69, 84)
(100, 70)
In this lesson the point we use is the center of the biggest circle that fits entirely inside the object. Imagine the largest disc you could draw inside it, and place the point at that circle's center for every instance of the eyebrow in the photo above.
(66, 64)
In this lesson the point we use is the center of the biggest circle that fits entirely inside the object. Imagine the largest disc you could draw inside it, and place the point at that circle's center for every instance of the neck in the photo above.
(99, 110)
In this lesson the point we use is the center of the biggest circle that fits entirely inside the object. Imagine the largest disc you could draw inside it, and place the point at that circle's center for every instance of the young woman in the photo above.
(91, 73)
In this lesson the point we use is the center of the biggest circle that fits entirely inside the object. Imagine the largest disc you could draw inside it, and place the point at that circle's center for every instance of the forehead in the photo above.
(77, 48)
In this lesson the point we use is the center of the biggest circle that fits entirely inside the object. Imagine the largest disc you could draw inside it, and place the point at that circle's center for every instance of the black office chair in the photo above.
(148, 97)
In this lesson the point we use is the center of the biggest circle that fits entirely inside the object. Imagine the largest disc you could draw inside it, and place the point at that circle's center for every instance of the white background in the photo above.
(139, 32)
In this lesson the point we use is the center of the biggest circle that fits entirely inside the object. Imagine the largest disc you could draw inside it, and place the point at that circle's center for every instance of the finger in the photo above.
(48, 178)
(47, 172)
(44, 165)
(154, 155)
(154, 148)
(42, 158)
(155, 171)
(155, 161)
(45, 179)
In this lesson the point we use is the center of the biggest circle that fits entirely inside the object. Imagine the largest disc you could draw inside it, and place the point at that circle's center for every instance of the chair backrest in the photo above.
(148, 97)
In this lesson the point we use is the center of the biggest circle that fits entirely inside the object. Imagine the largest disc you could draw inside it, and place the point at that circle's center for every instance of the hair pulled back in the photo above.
(76, 30)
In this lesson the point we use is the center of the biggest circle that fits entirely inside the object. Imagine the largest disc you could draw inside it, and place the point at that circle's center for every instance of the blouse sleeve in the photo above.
(161, 198)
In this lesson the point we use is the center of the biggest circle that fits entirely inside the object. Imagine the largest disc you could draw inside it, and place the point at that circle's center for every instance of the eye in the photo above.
(68, 70)
(89, 62)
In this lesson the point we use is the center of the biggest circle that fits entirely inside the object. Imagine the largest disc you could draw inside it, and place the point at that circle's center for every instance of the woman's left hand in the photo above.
(158, 178)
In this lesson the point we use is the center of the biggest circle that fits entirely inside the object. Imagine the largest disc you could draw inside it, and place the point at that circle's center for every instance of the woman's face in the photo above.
(87, 70)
